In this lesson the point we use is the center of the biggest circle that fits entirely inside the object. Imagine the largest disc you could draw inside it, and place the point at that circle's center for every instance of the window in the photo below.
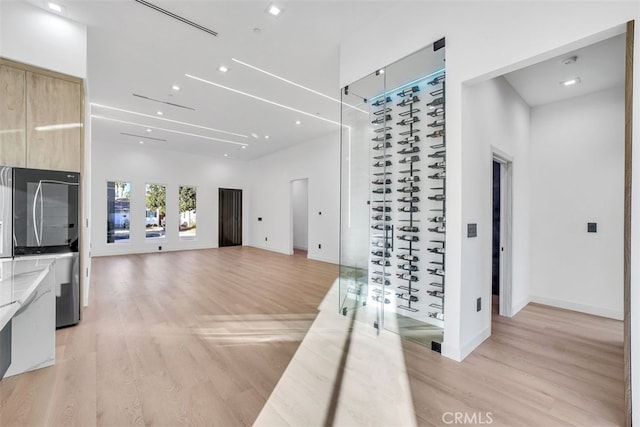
(187, 207)
(156, 197)
(118, 211)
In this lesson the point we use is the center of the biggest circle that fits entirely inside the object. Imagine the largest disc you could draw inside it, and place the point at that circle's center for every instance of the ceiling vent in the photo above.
(178, 17)
(163, 102)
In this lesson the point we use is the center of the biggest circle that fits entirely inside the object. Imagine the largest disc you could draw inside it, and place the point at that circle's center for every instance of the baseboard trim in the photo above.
(582, 308)
(474, 343)
(323, 259)
(519, 306)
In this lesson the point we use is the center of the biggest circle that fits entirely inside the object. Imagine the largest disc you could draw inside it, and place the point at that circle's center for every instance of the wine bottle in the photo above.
(411, 258)
(408, 238)
(436, 271)
(437, 219)
(409, 209)
(381, 137)
(439, 175)
(410, 189)
(381, 101)
(405, 276)
(410, 91)
(408, 229)
(436, 123)
(409, 101)
(409, 150)
(436, 81)
(437, 101)
(409, 179)
(382, 164)
(408, 199)
(437, 112)
(381, 191)
(381, 181)
(409, 140)
(436, 134)
(382, 146)
(381, 218)
(385, 227)
(408, 121)
(381, 119)
(381, 208)
(409, 159)
(438, 165)
(438, 154)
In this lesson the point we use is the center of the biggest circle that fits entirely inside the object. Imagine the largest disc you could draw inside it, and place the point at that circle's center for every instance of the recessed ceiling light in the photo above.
(226, 155)
(160, 113)
(141, 142)
(266, 137)
(223, 69)
(257, 30)
(244, 147)
(298, 122)
(274, 10)
(571, 82)
(255, 135)
(148, 130)
(55, 7)
(175, 87)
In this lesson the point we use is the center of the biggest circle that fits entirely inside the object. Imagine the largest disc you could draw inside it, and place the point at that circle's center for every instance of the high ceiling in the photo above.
(136, 50)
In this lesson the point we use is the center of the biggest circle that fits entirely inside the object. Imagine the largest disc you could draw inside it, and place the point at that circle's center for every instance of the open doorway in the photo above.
(501, 236)
(300, 216)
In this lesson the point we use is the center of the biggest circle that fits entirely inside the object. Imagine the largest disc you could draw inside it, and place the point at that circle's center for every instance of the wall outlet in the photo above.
(265, 239)
(159, 248)
(319, 245)
(479, 304)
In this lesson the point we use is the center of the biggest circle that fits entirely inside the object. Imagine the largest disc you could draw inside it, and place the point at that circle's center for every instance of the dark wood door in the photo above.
(230, 217)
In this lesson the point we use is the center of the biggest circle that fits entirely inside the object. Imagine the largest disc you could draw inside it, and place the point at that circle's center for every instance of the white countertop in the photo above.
(19, 279)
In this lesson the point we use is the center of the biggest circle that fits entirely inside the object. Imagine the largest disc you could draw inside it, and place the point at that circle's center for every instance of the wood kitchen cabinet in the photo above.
(13, 142)
(41, 118)
(54, 123)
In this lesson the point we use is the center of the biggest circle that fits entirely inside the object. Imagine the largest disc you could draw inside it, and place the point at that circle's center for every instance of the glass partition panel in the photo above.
(118, 211)
(393, 197)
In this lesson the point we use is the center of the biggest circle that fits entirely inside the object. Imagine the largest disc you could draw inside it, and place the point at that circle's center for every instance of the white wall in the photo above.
(300, 205)
(319, 161)
(142, 164)
(484, 40)
(495, 119)
(578, 177)
(34, 36)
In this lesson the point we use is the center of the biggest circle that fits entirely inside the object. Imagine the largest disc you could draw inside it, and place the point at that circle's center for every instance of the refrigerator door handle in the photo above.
(35, 206)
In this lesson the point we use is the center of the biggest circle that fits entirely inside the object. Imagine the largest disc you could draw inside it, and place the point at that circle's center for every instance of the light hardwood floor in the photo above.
(543, 367)
(202, 338)
(197, 337)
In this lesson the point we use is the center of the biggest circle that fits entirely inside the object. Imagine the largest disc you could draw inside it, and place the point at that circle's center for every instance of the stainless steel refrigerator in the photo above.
(39, 212)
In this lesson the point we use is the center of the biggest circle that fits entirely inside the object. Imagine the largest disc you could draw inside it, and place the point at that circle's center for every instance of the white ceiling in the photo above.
(133, 49)
(599, 66)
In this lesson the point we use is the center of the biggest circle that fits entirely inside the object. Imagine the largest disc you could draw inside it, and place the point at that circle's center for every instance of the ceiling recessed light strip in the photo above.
(253, 67)
(167, 120)
(262, 99)
(166, 130)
